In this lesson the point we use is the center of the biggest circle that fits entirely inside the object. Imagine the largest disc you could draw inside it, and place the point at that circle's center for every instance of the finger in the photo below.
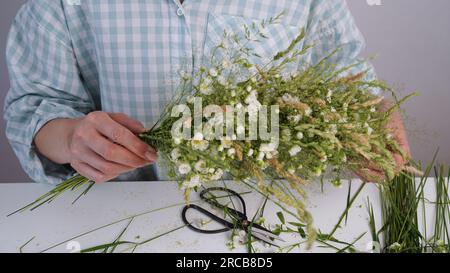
(133, 125)
(118, 154)
(90, 172)
(121, 135)
(107, 167)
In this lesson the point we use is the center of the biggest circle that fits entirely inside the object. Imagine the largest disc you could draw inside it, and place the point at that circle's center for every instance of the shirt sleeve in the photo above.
(45, 84)
(332, 27)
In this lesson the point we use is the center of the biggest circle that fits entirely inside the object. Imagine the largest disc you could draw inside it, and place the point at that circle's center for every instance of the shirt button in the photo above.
(180, 12)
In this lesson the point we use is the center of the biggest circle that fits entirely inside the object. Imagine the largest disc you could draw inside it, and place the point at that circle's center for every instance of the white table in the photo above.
(60, 220)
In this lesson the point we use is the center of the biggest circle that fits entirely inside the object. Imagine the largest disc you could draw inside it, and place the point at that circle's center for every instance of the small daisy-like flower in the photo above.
(268, 147)
(201, 166)
(177, 140)
(217, 175)
(213, 72)
(184, 168)
(192, 183)
(198, 142)
(295, 118)
(250, 152)
(308, 112)
(231, 152)
(226, 64)
(300, 136)
(175, 154)
(295, 150)
(190, 99)
(261, 156)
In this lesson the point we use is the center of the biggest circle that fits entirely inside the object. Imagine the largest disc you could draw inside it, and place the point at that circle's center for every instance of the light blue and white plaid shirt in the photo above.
(67, 58)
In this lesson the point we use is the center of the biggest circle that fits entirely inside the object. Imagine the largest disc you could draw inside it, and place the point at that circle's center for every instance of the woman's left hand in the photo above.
(370, 172)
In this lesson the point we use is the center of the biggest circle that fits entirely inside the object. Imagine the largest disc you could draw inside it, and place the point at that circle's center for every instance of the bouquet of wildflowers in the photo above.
(259, 123)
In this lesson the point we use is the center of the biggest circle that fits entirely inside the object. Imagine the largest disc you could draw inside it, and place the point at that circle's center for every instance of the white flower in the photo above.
(231, 152)
(333, 110)
(286, 134)
(201, 166)
(369, 130)
(268, 147)
(291, 170)
(252, 99)
(249, 88)
(295, 118)
(190, 99)
(226, 64)
(198, 143)
(323, 159)
(300, 135)
(373, 109)
(226, 142)
(213, 72)
(177, 140)
(175, 154)
(308, 112)
(222, 80)
(204, 89)
(250, 152)
(261, 155)
(217, 175)
(192, 183)
(295, 150)
(185, 75)
(288, 98)
(329, 93)
(184, 168)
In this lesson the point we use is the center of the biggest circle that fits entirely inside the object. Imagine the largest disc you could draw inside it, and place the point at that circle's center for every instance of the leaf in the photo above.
(281, 217)
(302, 232)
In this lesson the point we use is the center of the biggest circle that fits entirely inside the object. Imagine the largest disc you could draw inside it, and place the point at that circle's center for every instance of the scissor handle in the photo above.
(241, 215)
(216, 218)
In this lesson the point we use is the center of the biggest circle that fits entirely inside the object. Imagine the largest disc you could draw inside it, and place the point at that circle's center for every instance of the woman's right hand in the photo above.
(99, 146)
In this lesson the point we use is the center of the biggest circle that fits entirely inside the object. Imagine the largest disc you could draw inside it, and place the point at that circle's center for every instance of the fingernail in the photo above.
(150, 156)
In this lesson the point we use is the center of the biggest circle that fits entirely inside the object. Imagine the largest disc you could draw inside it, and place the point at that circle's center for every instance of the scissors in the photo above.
(240, 217)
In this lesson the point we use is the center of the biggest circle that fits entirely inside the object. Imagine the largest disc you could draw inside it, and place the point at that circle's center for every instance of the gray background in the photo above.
(412, 41)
